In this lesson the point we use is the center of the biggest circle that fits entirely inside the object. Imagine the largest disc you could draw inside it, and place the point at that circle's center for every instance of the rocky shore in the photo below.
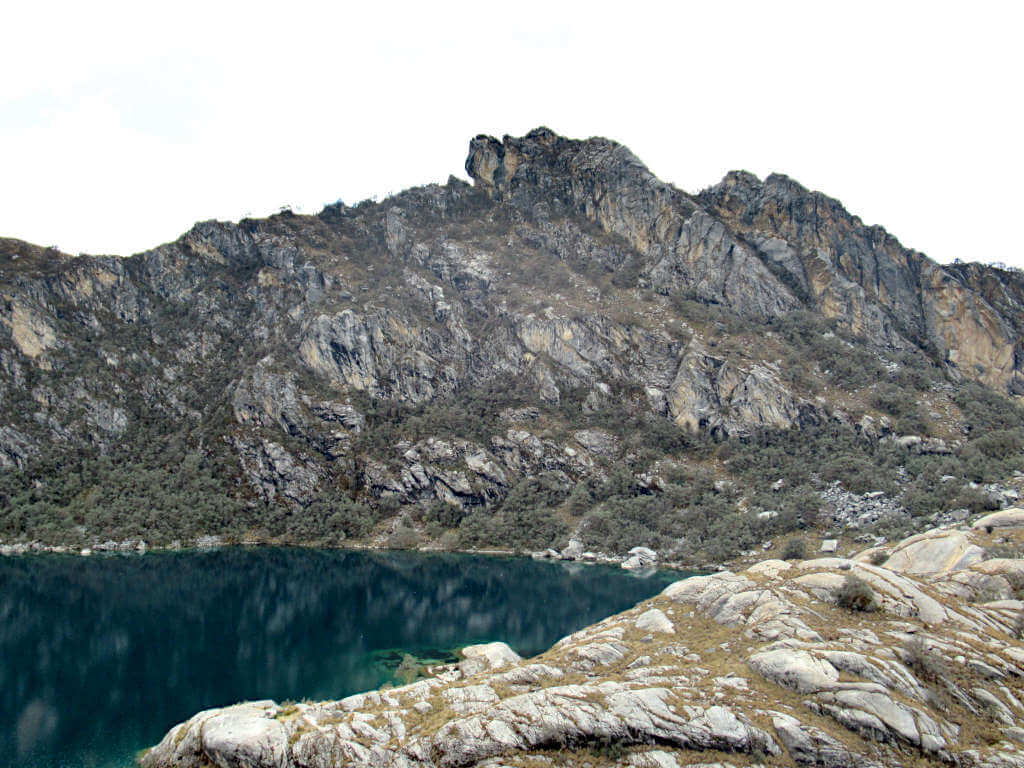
(826, 662)
(638, 558)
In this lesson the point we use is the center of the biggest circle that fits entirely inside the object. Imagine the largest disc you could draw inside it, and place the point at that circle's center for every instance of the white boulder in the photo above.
(1007, 518)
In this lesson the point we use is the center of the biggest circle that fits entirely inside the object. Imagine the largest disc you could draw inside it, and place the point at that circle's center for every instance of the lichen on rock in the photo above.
(759, 663)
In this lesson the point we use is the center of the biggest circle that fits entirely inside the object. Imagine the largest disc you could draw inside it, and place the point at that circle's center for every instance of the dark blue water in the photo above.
(100, 656)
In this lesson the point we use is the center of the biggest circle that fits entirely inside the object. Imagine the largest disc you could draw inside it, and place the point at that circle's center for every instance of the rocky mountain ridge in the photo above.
(763, 248)
(827, 662)
(566, 317)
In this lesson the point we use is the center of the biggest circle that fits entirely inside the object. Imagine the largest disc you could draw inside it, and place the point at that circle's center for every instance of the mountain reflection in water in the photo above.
(100, 656)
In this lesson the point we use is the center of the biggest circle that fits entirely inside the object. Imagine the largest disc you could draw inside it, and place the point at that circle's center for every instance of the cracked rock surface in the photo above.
(723, 669)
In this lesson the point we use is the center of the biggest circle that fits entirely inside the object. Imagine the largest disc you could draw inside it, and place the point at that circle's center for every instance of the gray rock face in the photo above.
(639, 558)
(935, 552)
(15, 448)
(864, 277)
(809, 745)
(1008, 518)
(684, 246)
(654, 620)
(709, 393)
(561, 269)
(495, 655)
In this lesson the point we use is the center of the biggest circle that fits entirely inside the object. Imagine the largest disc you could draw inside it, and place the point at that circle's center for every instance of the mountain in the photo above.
(568, 346)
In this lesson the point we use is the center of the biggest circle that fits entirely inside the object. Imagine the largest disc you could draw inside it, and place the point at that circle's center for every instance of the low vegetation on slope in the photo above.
(569, 347)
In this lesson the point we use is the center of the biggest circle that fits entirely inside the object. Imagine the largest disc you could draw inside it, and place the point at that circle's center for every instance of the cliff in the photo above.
(568, 316)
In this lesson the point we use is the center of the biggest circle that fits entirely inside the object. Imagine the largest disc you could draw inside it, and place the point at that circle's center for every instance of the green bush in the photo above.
(894, 401)
(985, 410)
(879, 557)
(445, 514)
(926, 662)
(333, 514)
(580, 500)
(856, 595)
(403, 537)
(476, 531)
(795, 549)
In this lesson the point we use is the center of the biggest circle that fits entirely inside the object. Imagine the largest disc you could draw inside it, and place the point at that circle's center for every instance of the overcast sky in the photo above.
(121, 124)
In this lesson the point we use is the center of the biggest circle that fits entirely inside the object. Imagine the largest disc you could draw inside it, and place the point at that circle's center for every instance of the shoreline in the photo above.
(774, 659)
(207, 543)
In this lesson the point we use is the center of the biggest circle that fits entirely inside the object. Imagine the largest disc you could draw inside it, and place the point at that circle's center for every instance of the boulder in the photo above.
(654, 620)
(639, 558)
(1000, 566)
(769, 568)
(809, 745)
(574, 551)
(496, 655)
(246, 735)
(935, 553)
(795, 669)
(1007, 518)
(824, 585)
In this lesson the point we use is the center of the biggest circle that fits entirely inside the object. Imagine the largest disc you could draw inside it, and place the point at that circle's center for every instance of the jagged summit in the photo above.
(782, 247)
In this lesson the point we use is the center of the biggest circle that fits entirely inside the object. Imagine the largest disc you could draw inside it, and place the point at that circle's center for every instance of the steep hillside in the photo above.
(567, 346)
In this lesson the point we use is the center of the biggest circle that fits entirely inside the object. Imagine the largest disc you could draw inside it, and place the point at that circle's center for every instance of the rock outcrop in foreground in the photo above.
(764, 666)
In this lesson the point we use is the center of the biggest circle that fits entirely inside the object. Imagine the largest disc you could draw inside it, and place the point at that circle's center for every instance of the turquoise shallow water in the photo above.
(100, 656)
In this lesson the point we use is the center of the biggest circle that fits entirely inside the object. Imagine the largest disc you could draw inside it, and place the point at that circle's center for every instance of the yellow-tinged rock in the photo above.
(1007, 518)
(935, 553)
(30, 333)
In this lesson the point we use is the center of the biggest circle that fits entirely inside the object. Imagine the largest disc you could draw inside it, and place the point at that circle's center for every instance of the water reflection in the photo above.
(36, 727)
(99, 656)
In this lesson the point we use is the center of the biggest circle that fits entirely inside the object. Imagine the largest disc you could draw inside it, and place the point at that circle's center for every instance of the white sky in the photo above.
(123, 123)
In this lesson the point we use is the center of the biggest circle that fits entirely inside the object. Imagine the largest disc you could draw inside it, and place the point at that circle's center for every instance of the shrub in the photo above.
(976, 500)
(1016, 581)
(580, 500)
(523, 528)
(856, 595)
(925, 497)
(895, 401)
(1001, 551)
(403, 537)
(1000, 444)
(542, 490)
(449, 540)
(926, 662)
(795, 549)
(856, 472)
(444, 514)
(476, 530)
(879, 557)
(409, 669)
(611, 750)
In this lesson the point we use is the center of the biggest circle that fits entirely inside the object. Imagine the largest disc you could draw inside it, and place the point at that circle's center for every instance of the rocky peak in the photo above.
(608, 297)
(577, 172)
(680, 248)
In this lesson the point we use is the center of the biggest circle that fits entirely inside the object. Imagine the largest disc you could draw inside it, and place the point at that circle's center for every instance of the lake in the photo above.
(100, 656)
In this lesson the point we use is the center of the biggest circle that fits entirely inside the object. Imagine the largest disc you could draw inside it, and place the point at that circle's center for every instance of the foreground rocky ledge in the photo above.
(757, 667)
